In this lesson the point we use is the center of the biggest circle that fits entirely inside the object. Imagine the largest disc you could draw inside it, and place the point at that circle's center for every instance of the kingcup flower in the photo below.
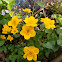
(48, 23)
(31, 21)
(27, 10)
(14, 30)
(2, 36)
(30, 53)
(6, 29)
(14, 21)
(9, 38)
(27, 31)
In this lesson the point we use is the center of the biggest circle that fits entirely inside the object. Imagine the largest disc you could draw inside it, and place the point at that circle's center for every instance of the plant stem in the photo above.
(44, 12)
(33, 7)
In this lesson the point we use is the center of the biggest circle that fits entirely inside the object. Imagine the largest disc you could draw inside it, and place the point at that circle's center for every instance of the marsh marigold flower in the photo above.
(6, 29)
(3, 36)
(27, 31)
(31, 21)
(27, 10)
(9, 38)
(14, 21)
(14, 30)
(30, 53)
(5, 26)
(48, 23)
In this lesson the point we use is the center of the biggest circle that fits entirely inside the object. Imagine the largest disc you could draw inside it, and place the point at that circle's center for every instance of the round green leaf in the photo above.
(1, 42)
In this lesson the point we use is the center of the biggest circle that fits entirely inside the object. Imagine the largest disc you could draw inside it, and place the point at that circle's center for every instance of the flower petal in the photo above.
(33, 33)
(25, 50)
(35, 57)
(29, 57)
(25, 56)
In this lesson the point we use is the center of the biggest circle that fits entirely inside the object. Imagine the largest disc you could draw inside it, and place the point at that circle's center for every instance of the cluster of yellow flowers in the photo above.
(48, 23)
(30, 53)
(11, 27)
(6, 29)
(8, 38)
(28, 29)
(2, 36)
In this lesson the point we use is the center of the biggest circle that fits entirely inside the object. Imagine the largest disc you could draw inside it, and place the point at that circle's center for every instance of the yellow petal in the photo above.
(25, 56)
(10, 23)
(33, 33)
(26, 49)
(26, 37)
(36, 50)
(29, 57)
(35, 57)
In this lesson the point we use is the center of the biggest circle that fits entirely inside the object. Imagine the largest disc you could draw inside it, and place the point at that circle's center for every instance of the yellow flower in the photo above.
(14, 30)
(27, 10)
(11, 14)
(30, 53)
(3, 36)
(9, 38)
(45, 19)
(6, 29)
(48, 23)
(14, 22)
(5, 26)
(31, 21)
(27, 32)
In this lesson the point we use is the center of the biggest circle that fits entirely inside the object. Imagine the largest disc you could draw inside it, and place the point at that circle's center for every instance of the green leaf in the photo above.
(16, 35)
(40, 3)
(59, 42)
(48, 30)
(42, 26)
(1, 42)
(52, 36)
(4, 21)
(7, 59)
(4, 49)
(60, 36)
(1, 2)
(48, 45)
(47, 52)
(59, 30)
(9, 1)
(19, 27)
(10, 5)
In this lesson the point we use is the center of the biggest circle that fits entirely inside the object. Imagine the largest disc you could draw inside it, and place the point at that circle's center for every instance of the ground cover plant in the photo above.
(31, 35)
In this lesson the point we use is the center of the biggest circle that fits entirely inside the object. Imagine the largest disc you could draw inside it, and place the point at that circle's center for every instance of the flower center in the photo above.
(27, 31)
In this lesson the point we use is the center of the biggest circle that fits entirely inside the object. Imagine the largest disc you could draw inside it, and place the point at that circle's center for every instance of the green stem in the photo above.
(43, 9)
(44, 12)
(33, 7)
